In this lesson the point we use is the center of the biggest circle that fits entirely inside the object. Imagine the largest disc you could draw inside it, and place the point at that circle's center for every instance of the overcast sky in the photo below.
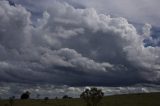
(105, 43)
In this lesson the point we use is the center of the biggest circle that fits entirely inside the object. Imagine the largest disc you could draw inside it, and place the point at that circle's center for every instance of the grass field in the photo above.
(150, 99)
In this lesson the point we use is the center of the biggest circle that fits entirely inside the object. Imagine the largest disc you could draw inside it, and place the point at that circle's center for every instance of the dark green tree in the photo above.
(92, 96)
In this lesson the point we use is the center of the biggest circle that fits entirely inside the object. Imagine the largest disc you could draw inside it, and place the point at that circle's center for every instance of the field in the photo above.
(150, 99)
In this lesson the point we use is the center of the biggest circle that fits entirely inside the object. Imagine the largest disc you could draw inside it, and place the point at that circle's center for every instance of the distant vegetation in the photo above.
(25, 95)
(66, 97)
(148, 99)
(92, 96)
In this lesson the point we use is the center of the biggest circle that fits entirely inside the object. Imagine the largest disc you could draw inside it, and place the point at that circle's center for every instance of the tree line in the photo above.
(91, 97)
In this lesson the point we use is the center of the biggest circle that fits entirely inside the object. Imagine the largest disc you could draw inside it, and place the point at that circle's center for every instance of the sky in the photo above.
(58, 47)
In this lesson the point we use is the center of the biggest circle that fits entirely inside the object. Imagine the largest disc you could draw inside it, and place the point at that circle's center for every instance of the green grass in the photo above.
(150, 99)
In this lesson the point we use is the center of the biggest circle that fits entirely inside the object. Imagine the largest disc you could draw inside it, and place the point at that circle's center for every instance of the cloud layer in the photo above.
(74, 46)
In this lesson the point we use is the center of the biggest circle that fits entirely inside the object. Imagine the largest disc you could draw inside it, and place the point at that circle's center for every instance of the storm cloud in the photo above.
(69, 45)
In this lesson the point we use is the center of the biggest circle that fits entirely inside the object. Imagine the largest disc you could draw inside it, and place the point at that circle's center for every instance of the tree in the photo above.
(92, 96)
(66, 97)
(25, 95)
(46, 99)
(11, 100)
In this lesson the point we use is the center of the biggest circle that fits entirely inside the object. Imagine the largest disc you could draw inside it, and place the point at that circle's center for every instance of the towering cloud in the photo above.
(74, 46)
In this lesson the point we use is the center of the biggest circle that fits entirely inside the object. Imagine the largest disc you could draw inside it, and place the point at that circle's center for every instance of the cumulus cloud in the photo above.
(74, 46)
(137, 11)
